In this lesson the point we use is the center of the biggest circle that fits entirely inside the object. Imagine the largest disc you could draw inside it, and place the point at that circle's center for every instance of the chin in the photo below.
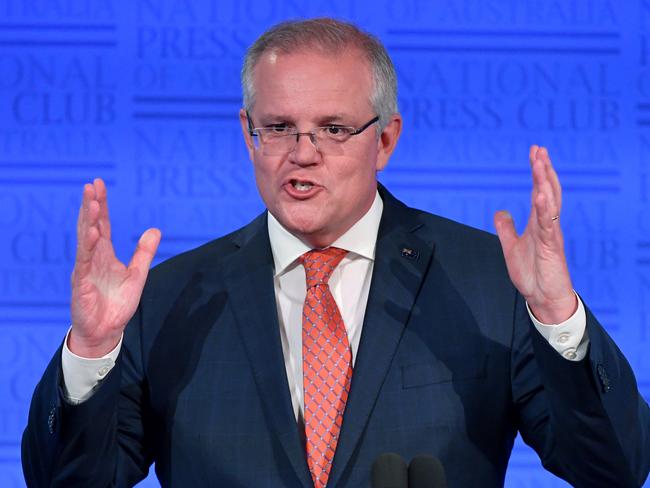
(300, 219)
(307, 230)
(304, 229)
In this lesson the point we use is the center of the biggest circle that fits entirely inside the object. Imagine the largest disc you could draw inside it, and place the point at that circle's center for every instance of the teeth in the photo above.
(301, 186)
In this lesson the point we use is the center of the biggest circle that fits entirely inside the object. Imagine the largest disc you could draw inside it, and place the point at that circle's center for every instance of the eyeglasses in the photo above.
(281, 139)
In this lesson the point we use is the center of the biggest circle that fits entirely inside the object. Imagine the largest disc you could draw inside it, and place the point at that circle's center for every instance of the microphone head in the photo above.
(426, 472)
(389, 471)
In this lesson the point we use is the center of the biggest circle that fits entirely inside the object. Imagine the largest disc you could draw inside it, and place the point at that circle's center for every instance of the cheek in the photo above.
(359, 173)
(265, 172)
(265, 185)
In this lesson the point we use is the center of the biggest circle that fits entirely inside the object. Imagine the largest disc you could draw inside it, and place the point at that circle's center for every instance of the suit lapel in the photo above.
(401, 261)
(249, 281)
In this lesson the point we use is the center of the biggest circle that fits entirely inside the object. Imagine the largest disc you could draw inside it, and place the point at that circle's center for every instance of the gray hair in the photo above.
(330, 37)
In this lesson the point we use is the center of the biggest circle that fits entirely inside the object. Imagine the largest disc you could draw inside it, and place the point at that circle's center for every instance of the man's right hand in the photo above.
(105, 292)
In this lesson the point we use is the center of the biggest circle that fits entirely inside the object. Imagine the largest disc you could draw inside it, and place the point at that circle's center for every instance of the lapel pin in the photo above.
(409, 253)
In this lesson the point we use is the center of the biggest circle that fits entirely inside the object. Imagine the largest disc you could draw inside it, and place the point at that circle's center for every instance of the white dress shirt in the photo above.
(350, 285)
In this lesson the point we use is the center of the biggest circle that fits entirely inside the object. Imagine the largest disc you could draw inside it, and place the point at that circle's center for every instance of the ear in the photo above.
(248, 139)
(388, 140)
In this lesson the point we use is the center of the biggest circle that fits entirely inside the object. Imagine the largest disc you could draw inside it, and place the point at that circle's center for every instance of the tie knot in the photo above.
(320, 263)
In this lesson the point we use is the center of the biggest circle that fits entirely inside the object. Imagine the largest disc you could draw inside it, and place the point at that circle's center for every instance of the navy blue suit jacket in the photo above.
(448, 364)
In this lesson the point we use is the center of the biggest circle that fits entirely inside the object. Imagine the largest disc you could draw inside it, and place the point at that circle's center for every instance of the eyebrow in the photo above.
(332, 119)
(265, 117)
(269, 119)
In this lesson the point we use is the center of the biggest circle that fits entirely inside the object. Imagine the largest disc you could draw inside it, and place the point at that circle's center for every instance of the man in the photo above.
(338, 325)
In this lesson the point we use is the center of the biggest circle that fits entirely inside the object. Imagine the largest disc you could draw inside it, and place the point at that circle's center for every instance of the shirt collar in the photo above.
(360, 239)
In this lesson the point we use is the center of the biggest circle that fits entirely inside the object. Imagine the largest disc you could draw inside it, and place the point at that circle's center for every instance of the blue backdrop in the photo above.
(145, 94)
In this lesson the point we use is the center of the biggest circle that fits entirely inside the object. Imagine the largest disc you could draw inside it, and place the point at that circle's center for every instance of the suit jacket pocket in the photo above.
(444, 370)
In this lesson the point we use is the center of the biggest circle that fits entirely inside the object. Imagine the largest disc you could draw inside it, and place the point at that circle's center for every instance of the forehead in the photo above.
(311, 83)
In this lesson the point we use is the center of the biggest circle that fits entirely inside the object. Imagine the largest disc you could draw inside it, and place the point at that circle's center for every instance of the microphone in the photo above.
(426, 472)
(389, 471)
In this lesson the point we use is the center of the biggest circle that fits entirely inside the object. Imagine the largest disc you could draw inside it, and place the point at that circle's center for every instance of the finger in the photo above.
(505, 227)
(144, 254)
(532, 157)
(104, 221)
(87, 195)
(87, 243)
(543, 155)
(532, 154)
(542, 184)
(87, 230)
(549, 230)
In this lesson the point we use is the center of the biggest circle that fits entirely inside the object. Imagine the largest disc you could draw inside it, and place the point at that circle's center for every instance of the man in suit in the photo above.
(338, 325)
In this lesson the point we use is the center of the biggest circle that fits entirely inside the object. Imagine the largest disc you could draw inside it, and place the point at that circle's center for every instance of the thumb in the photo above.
(144, 252)
(505, 226)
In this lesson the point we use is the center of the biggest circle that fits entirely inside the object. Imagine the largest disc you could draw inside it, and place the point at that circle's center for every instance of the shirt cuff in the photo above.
(81, 375)
(570, 338)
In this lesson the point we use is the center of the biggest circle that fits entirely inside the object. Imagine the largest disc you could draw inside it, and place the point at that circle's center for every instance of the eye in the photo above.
(336, 131)
(278, 129)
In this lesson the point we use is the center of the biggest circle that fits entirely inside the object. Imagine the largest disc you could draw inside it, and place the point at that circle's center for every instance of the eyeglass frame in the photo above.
(311, 133)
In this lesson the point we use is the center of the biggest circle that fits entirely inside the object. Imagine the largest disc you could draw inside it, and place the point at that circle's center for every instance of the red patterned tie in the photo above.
(326, 363)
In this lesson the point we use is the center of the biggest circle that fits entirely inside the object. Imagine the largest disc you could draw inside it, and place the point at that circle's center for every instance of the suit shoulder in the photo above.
(209, 256)
(469, 256)
(446, 231)
(460, 248)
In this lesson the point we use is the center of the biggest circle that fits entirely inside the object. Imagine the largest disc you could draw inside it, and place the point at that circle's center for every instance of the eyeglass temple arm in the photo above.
(251, 129)
(365, 126)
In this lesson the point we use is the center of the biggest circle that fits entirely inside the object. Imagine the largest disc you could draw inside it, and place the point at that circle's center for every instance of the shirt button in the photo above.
(563, 338)
(570, 354)
(103, 371)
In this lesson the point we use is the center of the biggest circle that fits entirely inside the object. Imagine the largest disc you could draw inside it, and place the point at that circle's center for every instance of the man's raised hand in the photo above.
(105, 292)
(535, 260)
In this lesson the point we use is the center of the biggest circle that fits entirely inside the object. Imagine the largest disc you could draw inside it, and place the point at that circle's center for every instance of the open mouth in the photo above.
(302, 185)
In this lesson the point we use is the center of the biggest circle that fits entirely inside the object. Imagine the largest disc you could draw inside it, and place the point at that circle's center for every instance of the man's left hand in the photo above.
(535, 260)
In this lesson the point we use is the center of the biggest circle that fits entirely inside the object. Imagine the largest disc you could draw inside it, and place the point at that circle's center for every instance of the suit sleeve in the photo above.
(586, 419)
(100, 442)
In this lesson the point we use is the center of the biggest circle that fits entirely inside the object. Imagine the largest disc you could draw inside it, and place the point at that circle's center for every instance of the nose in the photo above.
(305, 152)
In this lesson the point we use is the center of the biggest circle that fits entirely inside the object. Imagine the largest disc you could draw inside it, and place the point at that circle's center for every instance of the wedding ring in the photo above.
(555, 218)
